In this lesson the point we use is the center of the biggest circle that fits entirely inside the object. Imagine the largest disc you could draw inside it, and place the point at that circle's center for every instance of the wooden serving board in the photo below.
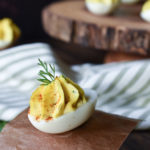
(124, 30)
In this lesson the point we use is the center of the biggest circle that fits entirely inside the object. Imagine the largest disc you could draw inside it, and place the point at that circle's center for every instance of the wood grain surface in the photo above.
(123, 31)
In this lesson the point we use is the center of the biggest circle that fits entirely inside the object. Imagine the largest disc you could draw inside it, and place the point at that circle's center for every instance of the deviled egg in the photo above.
(102, 7)
(145, 12)
(59, 104)
(129, 1)
(9, 33)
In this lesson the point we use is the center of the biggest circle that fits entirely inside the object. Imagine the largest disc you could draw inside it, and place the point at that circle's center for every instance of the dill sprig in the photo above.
(47, 75)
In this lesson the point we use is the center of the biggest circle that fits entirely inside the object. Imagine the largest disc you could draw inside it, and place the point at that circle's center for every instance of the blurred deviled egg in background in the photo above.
(102, 7)
(145, 12)
(9, 33)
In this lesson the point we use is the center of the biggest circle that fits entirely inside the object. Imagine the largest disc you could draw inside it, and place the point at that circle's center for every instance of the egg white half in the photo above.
(4, 44)
(100, 8)
(70, 120)
(129, 1)
(145, 15)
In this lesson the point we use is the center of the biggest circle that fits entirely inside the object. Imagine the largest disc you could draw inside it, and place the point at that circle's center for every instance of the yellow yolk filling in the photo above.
(146, 6)
(59, 97)
(9, 32)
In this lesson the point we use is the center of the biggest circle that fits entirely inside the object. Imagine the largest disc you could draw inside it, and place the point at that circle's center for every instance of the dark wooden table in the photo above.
(137, 140)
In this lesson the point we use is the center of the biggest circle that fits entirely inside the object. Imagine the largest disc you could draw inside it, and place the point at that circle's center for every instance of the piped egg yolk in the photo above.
(59, 97)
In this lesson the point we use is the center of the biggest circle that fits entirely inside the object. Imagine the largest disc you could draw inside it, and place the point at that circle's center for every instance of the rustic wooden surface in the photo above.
(137, 140)
(123, 31)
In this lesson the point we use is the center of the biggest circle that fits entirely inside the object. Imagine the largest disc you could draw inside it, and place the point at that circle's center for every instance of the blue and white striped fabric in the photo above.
(123, 88)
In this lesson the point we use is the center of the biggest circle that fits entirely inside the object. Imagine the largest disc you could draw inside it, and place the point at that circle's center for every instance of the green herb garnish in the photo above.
(47, 75)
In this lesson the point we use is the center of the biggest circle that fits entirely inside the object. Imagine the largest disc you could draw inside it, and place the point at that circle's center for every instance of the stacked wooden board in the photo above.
(124, 31)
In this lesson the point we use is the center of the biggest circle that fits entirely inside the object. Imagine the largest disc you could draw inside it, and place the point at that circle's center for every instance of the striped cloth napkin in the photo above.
(123, 88)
